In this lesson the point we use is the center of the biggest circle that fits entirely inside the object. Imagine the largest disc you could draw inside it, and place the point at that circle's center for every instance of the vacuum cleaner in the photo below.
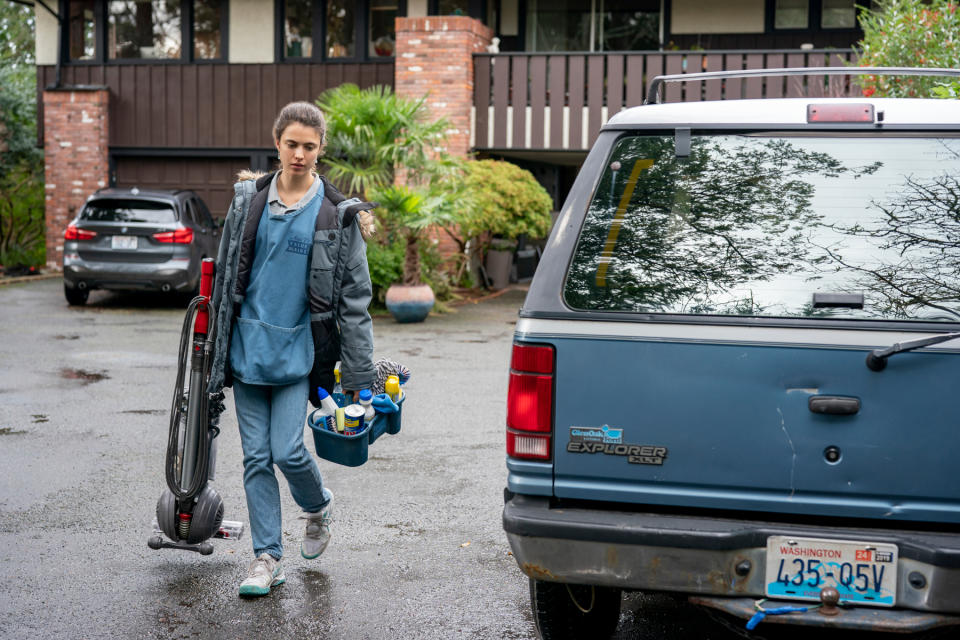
(190, 511)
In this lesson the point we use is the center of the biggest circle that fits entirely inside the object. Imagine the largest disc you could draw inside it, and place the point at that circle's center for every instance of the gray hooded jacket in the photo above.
(339, 289)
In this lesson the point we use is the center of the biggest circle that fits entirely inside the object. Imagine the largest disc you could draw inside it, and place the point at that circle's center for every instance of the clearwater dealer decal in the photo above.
(609, 441)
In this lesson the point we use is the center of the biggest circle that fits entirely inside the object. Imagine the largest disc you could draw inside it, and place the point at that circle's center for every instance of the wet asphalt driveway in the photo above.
(417, 550)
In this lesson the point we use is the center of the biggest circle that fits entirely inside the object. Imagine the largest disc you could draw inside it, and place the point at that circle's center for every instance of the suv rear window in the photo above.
(756, 224)
(129, 211)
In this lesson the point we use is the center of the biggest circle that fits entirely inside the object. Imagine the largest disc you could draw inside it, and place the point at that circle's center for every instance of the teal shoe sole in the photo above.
(305, 556)
(252, 590)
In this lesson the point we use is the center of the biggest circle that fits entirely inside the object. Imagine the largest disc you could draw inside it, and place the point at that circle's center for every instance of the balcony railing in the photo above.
(558, 102)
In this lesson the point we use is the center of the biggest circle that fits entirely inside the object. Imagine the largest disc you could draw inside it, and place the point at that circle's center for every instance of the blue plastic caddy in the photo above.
(352, 450)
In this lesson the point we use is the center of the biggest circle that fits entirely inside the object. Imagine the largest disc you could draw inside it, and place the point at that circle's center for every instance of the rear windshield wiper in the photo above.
(877, 359)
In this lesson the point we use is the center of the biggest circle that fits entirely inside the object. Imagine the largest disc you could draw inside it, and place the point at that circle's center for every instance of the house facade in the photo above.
(182, 93)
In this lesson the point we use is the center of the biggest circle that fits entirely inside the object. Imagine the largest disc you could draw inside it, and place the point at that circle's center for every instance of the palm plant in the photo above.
(371, 133)
(375, 137)
(413, 209)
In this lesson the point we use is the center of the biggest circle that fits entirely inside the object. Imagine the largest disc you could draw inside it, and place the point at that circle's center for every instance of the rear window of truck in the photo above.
(774, 225)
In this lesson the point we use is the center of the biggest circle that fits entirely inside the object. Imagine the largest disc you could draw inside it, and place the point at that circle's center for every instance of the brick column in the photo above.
(75, 124)
(434, 58)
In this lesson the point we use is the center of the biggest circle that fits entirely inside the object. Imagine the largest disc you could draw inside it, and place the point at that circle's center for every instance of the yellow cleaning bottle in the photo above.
(392, 388)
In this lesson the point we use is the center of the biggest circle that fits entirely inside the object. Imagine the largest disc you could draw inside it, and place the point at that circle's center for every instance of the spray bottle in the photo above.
(327, 408)
(338, 396)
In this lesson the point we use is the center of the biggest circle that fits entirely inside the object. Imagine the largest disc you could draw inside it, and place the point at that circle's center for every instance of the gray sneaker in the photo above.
(265, 572)
(317, 536)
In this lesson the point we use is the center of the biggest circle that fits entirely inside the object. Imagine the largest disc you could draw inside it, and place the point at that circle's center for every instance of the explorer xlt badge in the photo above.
(610, 442)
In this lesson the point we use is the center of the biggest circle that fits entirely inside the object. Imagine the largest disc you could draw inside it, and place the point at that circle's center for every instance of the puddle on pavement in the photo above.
(145, 412)
(84, 376)
(39, 418)
(475, 341)
(72, 336)
(10, 431)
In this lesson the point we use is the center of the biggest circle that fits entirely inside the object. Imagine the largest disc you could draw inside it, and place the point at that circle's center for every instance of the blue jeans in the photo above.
(271, 422)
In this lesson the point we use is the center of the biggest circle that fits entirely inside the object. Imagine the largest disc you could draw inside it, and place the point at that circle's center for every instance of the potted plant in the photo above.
(387, 148)
(412, 210)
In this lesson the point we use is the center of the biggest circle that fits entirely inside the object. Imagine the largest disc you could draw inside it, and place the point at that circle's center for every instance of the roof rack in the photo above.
(653, 95)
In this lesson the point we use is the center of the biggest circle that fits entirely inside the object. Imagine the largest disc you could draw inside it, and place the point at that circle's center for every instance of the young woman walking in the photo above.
(291, 294)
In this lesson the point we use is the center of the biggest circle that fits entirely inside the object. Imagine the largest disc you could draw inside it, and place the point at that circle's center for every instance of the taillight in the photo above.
(183, 235)
(530, 402)
(73, 233)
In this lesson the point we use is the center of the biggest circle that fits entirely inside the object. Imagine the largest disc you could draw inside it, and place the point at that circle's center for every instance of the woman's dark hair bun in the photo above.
(305, 113)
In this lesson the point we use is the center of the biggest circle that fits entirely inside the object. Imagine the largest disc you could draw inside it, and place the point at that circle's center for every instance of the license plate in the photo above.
(123, 242)
(863, 572)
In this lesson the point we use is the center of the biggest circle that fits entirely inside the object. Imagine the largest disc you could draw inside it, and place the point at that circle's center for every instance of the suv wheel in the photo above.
(75, 297)
(574, 610)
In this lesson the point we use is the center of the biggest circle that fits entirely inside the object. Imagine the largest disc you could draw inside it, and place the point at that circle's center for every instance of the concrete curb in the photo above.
(40, 276)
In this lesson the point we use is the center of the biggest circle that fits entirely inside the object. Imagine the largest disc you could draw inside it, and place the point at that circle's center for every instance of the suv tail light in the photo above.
(73, 233)
(530, 402)
(183, 235)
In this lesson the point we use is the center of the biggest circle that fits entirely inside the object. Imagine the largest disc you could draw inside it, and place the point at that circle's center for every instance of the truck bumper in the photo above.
(707, 556)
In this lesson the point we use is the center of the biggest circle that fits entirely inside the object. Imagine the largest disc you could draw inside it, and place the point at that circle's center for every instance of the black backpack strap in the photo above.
(249, 238)
(349, 210)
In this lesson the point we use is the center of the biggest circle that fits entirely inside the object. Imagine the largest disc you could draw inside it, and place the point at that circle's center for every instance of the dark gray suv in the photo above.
(132, 239)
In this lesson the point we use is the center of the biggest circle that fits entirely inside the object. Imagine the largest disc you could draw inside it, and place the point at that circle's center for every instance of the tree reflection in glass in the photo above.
(756, 225)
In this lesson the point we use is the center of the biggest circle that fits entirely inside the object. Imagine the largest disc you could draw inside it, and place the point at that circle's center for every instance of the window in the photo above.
(791, 14)
(298, 29)
(381, 40)
(207, 28)
(628, 25)
(341, 29)
(559, 25)
(205, 218)
(161, 30)
(144, 29)
(337, 30)
(453, 7)
(838, 14)
(129, 211)
(588, 25)
(756, 225)
(82, 28)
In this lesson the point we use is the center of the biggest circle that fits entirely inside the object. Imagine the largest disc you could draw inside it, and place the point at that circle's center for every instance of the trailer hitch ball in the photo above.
(743, 567)
(829, 597)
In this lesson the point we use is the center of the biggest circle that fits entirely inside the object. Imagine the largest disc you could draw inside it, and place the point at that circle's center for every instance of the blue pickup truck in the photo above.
(734, 377)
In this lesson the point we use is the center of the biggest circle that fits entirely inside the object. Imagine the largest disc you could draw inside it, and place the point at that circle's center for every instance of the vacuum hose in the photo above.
(190, 437)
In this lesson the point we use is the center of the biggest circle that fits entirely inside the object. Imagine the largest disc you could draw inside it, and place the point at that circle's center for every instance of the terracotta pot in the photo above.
(409, 303)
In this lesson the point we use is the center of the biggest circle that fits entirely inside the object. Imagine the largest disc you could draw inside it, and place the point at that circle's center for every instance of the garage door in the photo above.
(211, 178)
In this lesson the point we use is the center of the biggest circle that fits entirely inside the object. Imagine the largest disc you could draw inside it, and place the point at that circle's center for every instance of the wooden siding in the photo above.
(206, 105)
(560, 101)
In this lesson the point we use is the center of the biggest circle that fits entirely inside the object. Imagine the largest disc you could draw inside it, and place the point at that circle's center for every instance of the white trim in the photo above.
(532, 328)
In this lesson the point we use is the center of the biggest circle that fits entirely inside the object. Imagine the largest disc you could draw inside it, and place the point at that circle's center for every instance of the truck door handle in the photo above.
(834, 405)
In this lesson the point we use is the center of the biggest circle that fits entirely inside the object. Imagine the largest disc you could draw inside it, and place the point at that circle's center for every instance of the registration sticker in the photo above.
(863, 572)
(123, 242)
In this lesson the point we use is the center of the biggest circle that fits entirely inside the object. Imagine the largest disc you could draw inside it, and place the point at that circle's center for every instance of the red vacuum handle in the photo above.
(206, 288)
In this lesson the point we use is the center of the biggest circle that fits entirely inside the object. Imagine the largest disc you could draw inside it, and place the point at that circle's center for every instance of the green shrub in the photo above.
(505, 200)
(386, 266)
(21, 162)
(909, 33)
